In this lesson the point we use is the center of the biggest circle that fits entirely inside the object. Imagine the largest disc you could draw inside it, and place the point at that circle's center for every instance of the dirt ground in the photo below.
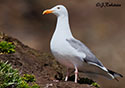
(46, 70)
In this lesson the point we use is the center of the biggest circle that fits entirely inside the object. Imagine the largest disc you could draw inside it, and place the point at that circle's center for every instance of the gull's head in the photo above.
(58, 10)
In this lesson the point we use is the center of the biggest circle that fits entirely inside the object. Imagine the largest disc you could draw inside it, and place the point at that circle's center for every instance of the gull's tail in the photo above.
(114, 74)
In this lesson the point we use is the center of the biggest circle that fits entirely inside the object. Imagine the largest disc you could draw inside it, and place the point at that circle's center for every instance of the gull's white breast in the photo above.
(65, 53)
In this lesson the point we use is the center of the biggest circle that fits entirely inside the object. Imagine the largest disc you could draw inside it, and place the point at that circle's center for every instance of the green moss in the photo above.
(35, 86)
(95, 84)
(28, 78)
(6, 47)
(10, 78)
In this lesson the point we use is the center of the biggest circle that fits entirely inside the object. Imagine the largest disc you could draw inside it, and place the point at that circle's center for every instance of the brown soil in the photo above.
(42, 65)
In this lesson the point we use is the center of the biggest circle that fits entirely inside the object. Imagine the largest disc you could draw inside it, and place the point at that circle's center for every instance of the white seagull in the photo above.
(71, 52)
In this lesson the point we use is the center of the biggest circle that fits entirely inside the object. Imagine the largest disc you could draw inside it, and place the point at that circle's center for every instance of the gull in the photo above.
(71, 52)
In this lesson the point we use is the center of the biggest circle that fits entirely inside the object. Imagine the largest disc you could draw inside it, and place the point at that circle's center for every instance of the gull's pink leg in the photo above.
(67, 74)
(76, 74)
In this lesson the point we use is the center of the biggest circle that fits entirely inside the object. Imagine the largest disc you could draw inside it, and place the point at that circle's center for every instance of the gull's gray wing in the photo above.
(80, 47)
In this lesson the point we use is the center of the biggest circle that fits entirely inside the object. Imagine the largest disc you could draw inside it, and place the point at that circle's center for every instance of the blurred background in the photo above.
(101, 29)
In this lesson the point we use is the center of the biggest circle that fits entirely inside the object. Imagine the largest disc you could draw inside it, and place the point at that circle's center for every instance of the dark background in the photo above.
(101, 29)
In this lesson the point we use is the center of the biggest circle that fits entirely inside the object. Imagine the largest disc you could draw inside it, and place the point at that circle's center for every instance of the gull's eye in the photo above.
(58, 7)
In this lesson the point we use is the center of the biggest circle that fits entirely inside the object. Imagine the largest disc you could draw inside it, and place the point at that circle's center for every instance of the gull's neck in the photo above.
(62, 27)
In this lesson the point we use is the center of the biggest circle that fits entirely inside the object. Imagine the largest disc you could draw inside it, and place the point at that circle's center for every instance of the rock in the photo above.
(46, 70)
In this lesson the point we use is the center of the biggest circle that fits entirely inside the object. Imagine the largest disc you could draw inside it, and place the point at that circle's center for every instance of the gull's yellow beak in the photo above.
(47, 12)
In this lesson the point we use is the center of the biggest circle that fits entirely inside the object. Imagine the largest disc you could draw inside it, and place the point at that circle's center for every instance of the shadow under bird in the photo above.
(71, 52)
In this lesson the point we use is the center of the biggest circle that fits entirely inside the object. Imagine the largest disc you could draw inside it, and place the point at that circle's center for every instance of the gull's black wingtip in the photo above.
(121, 75)
(115, 74)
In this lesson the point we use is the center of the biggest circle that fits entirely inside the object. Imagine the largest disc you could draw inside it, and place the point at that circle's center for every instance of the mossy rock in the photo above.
(42, 65)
